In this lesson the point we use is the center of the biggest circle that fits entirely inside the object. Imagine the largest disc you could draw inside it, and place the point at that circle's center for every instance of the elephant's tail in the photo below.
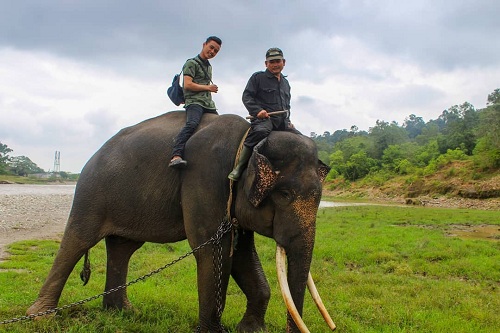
(85, 273)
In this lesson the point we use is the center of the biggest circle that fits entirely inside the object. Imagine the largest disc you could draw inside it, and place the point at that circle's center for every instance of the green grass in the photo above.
(33, 180)
(377, 268)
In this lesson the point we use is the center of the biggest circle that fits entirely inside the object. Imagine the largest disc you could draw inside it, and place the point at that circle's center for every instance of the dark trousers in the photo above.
(260, 129)
(194, 112)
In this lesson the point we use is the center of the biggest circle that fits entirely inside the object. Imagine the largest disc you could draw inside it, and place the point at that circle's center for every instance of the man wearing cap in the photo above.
(266, 91)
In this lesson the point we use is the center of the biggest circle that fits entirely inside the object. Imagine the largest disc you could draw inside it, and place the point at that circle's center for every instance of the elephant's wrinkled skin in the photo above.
(127, 194)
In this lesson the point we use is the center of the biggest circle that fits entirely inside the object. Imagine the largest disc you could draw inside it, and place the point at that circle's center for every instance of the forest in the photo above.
(462, 134)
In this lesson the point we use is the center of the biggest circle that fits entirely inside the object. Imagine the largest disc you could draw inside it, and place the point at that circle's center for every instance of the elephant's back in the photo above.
(217, 140)
(129, 174)
(142, 141)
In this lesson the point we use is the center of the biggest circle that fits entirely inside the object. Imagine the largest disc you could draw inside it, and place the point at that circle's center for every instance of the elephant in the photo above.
(127, 195)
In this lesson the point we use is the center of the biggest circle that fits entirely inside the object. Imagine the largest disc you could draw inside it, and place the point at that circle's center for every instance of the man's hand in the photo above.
(213, 88)
(262, 114)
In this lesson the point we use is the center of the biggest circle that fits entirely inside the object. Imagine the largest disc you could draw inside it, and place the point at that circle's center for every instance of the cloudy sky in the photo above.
(73, 73)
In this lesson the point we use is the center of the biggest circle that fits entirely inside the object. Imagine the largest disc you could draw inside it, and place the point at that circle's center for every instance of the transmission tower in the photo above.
(57, 162)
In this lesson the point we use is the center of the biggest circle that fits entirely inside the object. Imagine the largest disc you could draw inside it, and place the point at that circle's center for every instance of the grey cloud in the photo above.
(434, 34)
(305, 101)
(411, 96)
(362, 46)
(443, 33)
(103, 124)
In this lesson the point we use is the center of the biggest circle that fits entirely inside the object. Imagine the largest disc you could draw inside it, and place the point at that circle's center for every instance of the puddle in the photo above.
(482, 232)
(325, 204)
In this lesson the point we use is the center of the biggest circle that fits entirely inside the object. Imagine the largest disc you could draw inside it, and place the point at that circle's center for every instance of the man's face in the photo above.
(275, 66)
(210, 50)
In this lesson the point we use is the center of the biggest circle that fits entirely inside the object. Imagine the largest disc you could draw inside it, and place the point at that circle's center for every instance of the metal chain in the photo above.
(223, 228)
(217, 258)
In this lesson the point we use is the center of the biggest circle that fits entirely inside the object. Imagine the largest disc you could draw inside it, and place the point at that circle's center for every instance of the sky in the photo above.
(73, 73)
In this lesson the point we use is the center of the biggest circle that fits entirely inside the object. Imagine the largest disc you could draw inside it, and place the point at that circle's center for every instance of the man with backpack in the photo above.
(198, 88)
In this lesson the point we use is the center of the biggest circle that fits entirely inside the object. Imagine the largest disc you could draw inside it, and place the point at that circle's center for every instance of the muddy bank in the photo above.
(377, 196)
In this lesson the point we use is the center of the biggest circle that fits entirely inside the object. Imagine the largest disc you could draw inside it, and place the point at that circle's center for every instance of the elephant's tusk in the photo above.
(319, 303)
(285, 289)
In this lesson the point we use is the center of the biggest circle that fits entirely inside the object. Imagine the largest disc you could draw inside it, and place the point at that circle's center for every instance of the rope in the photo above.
(231, 183)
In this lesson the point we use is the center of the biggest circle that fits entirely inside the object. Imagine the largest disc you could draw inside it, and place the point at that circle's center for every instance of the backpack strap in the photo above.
(203, 69)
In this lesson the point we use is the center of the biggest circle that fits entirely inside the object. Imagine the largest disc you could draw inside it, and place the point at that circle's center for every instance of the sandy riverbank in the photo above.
(28, 215)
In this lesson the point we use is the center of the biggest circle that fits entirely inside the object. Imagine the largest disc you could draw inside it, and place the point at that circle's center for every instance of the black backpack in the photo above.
(175, 92)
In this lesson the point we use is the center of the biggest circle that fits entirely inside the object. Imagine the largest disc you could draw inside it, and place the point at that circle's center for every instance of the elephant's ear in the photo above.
(323, 170)
(261, 178)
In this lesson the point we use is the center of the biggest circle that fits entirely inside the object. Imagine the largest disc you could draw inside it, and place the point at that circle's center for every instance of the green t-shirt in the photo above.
(193, 69)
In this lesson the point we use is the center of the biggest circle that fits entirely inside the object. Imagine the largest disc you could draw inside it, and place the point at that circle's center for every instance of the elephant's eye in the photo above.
(283, 197)
(285, 194)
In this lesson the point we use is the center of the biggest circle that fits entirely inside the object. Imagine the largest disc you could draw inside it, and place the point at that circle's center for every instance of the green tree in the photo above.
(487, 150)
(385, 134)
(336, 164)
(353, 145)
(459, 131)
(392, 156)
(494, 97)
(413, 126)
(426, 153)
(23, 166)
(358, 166)
(429, 133)
(4, 158)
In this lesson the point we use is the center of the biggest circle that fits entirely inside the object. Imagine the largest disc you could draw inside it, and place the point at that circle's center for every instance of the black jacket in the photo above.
(265, 92)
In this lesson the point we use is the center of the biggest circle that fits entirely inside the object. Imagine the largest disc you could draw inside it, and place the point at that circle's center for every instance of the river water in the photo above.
(27, 189)
(24, 189)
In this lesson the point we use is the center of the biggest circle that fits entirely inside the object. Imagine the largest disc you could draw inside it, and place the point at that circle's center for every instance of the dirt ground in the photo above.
(32, 216)
(377, 196)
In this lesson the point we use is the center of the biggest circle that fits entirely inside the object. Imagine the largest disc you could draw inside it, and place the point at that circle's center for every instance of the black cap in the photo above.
(274, 53)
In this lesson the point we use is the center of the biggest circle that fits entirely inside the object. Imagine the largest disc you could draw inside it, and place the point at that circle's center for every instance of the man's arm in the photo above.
(189, 70)
(249, 98)
(192, 86)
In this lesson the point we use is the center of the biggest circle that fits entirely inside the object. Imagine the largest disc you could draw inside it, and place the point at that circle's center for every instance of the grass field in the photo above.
(377, 268)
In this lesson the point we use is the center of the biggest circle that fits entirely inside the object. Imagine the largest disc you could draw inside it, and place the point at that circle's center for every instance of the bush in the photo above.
(486, 156)
(405, 167)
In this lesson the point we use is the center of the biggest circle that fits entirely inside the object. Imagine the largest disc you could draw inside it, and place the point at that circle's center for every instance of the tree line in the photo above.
(16, 165)
(22, 165)
(416, 147)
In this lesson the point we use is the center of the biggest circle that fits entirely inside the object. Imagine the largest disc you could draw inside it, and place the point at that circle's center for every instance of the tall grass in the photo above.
(378, 269)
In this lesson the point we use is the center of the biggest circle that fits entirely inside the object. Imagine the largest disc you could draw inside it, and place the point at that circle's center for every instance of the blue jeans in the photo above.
(194, 112)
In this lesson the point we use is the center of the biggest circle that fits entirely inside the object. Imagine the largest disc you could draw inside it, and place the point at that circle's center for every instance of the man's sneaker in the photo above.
(178, 163)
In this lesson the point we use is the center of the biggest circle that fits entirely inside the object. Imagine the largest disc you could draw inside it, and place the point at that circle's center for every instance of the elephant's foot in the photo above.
(250, 325)
(40, 306)
(113, 304)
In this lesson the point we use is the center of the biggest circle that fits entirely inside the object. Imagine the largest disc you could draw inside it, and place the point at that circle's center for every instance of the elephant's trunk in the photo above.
(293, 311)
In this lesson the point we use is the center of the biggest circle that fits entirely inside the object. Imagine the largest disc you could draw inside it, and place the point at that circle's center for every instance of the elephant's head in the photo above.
(281, 194)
